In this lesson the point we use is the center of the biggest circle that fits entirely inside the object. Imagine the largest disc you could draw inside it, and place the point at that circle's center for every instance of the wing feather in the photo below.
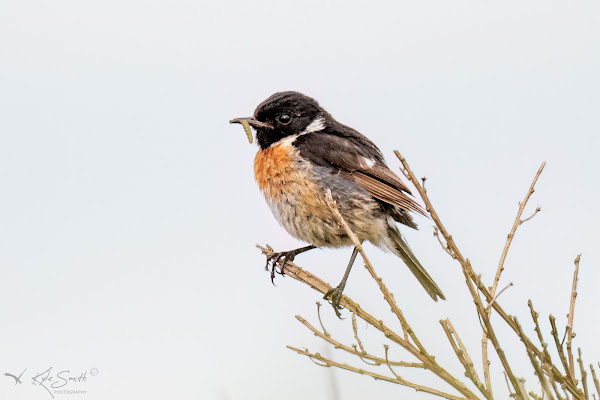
(357, 159)
(384, 192)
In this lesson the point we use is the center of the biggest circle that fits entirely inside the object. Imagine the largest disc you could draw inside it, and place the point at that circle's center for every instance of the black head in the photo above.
(284, 114)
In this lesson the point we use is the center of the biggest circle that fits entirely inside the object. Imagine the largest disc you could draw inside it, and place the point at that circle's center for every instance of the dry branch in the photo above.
(429, 362)
(470, 278)
(509, 238)
(596, 383)
(569, 330)
(386, 293)
(551, 378)
(452, 249)
(355, 329)
(583, 375)
(351, 350)
(518, 221)
(537, 368)
(463, 356)
(398, 380)
(546, 359)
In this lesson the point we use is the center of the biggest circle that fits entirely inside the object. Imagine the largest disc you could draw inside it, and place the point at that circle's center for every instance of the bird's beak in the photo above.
(252, 122)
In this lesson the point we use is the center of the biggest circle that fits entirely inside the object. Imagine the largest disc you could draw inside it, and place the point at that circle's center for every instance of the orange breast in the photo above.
(272, 169)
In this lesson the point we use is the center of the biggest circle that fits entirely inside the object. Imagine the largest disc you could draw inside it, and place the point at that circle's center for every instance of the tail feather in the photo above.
(402, 250)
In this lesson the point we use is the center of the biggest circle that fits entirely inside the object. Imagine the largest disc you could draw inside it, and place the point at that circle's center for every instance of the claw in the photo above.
(279, 259)
(335, 295)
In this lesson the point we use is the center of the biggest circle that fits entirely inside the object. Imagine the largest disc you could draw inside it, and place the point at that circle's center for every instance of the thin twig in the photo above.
(537, 210)
(539, 358)
(509, 239)
(320, 321)
(510, 392)
(386, 348)
(355, 329)
(376, 360)
(513, 230)
(386, 293)
(455, 252)
(490, 333)
(299, 274)
(546, 359)
(510, 284)
(436, 233)
(485, 361)
(569, 329)
(423, 356)
(536, 367)
(559, 347)
(596, 383)
(463, 356)
(569, 382)
(583, 375)
(547, 367)
(398, 380)
(534, 315)
(471, 277)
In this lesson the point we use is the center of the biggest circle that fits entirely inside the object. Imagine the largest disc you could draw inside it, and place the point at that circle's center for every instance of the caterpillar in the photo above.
(247, 130)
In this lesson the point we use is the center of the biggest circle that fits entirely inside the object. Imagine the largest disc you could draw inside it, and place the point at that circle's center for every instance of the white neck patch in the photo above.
(286, 141)
(318, 124)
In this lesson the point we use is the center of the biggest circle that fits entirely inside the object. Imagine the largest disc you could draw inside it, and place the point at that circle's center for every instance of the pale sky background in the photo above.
(129, 214)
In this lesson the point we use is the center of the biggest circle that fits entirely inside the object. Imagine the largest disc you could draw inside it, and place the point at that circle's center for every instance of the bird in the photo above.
(303, 154)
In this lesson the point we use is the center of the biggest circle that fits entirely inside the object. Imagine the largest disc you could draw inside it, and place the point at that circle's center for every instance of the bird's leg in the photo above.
(335, 294)
(282, 257)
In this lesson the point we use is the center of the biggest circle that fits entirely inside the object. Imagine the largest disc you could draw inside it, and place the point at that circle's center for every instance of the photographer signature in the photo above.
(50, 381)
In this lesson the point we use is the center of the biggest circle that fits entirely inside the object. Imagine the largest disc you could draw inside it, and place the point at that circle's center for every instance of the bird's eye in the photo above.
(284, 119)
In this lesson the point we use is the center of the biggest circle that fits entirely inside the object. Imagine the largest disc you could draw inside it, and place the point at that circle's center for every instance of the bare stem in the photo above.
(398, 380)
(513, 230)
(583, 375)
(320, 321)
(295, 272)
(569, 329)
(596, 383)
(569, 381)
(485, 362)
(386, 293)
(452, 249)
(470, 278)
(485, 300)
(351, 350)
(546, 359)
(463, 356)
(536, 367)
(355, 329)
(534, 315)
(509, 239)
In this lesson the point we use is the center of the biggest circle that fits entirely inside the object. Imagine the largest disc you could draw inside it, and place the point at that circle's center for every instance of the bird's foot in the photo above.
(335, 295)
(278, 260)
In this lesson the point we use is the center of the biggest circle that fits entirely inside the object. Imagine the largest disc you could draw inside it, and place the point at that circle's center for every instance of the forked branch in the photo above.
(428, 362)
(554, 384)
(325, 362)
(509, 238)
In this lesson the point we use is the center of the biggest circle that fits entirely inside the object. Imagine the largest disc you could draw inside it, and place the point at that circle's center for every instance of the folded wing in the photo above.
(359, 160)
